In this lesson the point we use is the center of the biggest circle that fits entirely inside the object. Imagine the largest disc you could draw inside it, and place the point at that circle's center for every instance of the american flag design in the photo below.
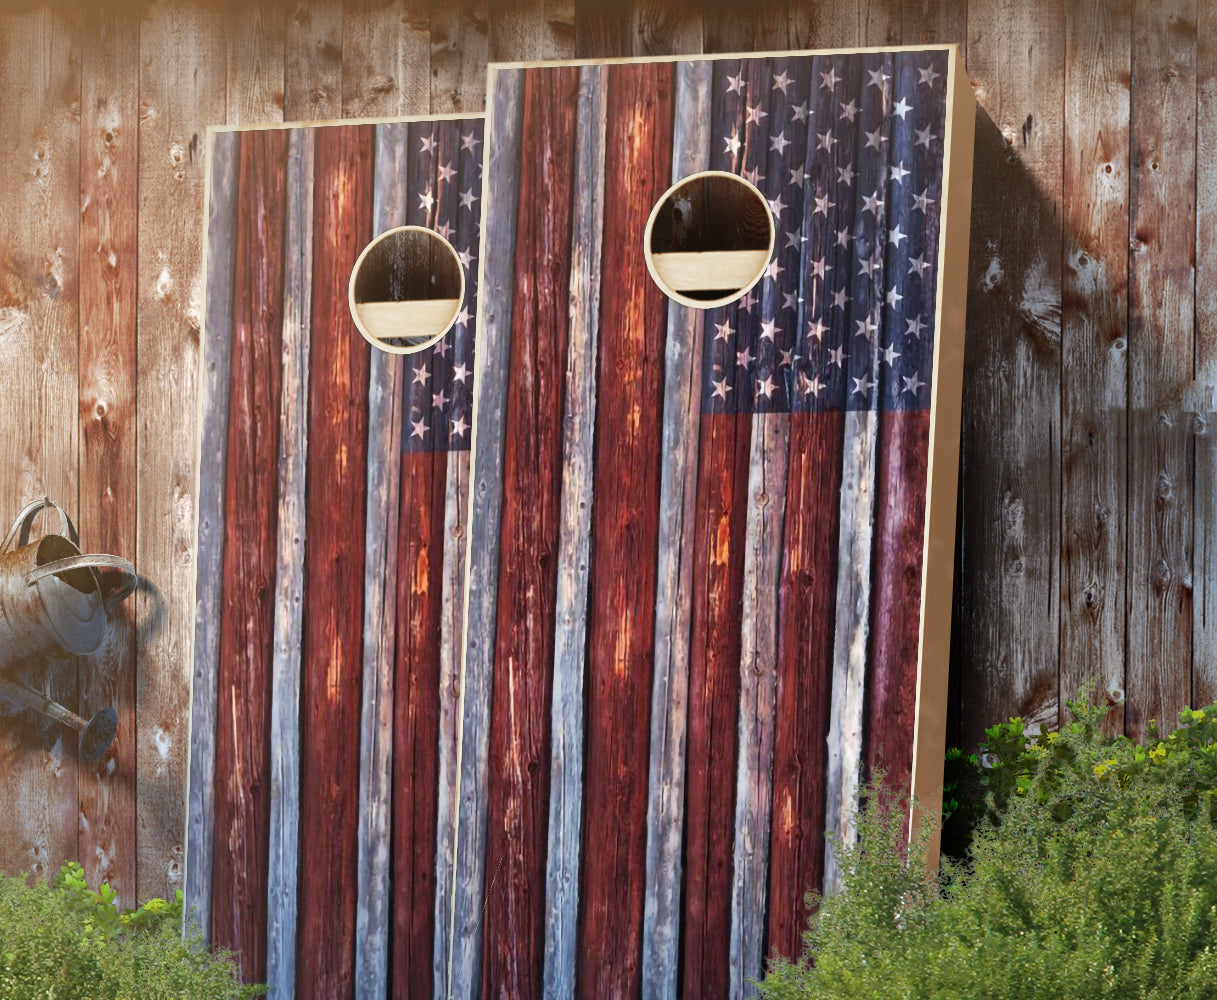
(697, 537)
(332, 506)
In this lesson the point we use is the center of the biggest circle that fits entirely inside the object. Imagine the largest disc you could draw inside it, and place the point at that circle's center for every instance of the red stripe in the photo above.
(518, 766)
(416, 718)
(807, 608)
(334, 566)
(242, 787)
(891, 698)
(714, 693)
(625, 534)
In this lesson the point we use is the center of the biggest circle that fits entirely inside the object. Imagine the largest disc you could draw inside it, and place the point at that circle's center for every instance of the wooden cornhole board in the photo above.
(331, 526)
(711, 549)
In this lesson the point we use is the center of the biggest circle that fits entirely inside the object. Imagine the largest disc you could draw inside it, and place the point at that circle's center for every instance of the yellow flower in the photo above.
(1100, 769)
(1199, 716)
(1051, 737)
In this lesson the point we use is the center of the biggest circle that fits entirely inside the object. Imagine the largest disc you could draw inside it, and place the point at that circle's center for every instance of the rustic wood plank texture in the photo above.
(1094, 339)
(386, 58)
(1010, 521)
(182, 89)
(856, 23)
(312, 61)
(1161, 336)
(674, 580)
(497, 283)
(334, 568)
(519, 725)
(934, 22)
(39, 211)
(458, 55)
(109, 168)
(251, 502)
(256, 33)
(285, 746)
(531, 29)
(566, 769)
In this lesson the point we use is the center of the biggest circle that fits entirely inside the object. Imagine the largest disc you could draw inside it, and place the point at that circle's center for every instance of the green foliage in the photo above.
(1092, 874)
(66, 942)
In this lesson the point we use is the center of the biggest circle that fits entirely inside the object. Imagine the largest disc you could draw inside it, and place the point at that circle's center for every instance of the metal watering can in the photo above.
(52, 608)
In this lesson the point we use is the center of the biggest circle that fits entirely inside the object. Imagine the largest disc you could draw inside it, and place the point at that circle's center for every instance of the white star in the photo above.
(924, 138)
(469, 141)
(837, 356)
(873, 204)
(459, 426)
(460, 373)
(812, 385)
(895, 236)
(754, 114)
(825, 140)
(849, 110)
(823, 205)
(721, 388)
(828, 79)
(773, 269)
(743, 358)
(463, 317)
(928, 75)
(893, 296)
(446, 173)
(782, 81)
(878, 79)
(870, 265)
(438, 399)
(442, 348)
(867, 328)
(899, 173)
(912, 384)
(790, 300)
(817, 329)
(793, 239)
(468, 198)
(776, 206)
(421, 375)
(798, 175)
(723, 331)
(800, 112)
(753, 176)
(862, 385)
(918, 264)
(922, 201)
(748, 301)
(769, 329)
(819, 266)
(779, 142)
(788, 357)
(425, 200)
(735, 84)
(838, 298)
(444, 230)
(732, 142)
(874, 138)
(420, 428)
(915, 326)
(466, 259)
(766, 387)
(901, 108)
(428, 143)
(890, 354)
(845, 174)
(843, 237)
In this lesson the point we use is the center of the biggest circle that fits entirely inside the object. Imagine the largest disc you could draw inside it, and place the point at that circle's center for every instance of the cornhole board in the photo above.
(331, 523)
(711, 549)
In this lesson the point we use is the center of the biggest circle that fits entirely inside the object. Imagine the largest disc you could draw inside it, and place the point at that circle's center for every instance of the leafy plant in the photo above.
(65, 941)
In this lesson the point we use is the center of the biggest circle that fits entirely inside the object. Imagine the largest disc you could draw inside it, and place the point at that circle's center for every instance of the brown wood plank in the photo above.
(40, 64)
(531, 29)
(256, 55)
(331, 694)
(1010, 530)
(251, 502)
(386, 58)
(747, 26)
(1094, 339)
(1161, 337)
(848, 25)
(109, 169)
(181, 87)
(625, 528)
(518, 767)
(934, 22)
(459, 40)
(312, 70)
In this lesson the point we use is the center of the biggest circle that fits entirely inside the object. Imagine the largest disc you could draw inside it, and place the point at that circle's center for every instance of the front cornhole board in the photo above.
(332, 499)
(711, 550)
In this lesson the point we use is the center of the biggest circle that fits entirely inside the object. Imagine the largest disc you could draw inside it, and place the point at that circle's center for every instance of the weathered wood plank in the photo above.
(209, 585)
(386, 58)
(251, 502)
(531, 29)
(312, 70)
(934, 22)
(1094, 337)
(1161, 337)
(603, 29)
(109, 169)
(519, 725)
(459, 40)
(740, 26)
(497, 286)
(566, 769)
(256, 61)
(1010, 521)
(332, 658)
(181, 86)
(674, 578)
(285, 744)
(40, 61)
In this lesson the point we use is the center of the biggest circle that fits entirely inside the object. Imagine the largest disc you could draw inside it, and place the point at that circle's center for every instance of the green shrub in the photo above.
(64, 941)
(1095, 878)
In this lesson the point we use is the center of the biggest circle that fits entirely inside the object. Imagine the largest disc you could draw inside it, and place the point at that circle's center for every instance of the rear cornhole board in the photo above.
(711, 549)
(331, 524)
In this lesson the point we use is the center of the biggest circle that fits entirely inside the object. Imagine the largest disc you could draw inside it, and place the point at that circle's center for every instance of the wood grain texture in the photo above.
(566, 769)
(251, 502)
(531, 30)
(332, 653)
(109, 172)
(674, 580)
(312, 63)
(256, 61)
(459, 40)
(182, 88)
(1094, 337)
(285, 747)
(386, 58)
(519, 727)
(1161, 336)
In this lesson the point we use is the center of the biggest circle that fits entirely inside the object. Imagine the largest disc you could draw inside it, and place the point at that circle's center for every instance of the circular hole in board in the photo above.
(709, 239)
(406, 289)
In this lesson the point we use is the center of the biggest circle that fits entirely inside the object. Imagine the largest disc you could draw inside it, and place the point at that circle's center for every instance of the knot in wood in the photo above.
(1162, 575)
(1164, 489)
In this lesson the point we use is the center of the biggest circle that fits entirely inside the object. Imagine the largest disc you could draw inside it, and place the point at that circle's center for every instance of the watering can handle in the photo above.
(21, 526)
(89, 561)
